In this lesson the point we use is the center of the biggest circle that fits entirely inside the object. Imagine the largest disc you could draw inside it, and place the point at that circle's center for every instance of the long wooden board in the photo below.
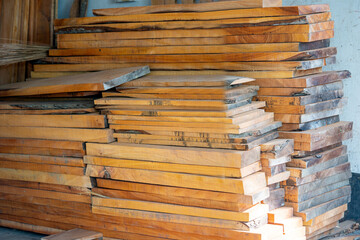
(248, 215)
(309, 125)
(252, 199)
(257, 12)
(204, 7)
(302, 82)
(170, 167)
(245, 185)
(205, 157)
(62, 161)
(54, 178)
(235, 22)
(68, 134)
(185, 58)
(205, 33)
(190, 41)
(97, 81)
(64, 121)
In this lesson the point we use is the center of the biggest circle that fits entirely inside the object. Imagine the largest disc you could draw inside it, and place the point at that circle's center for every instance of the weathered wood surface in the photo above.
(310, 161)
(53, 160)
(327, 215)
(204, 7)
(205, 157)
(341, 168)
(235, 22)
(257, 12)
(279, 214)
(302, 82)
(320, 199)
(323, 208)
(309, 125)
(277, 148)
(75, 233)
(98, 81)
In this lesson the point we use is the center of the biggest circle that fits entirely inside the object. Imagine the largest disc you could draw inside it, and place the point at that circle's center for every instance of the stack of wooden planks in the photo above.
(187, 161)
(274, 42)
(43, 186)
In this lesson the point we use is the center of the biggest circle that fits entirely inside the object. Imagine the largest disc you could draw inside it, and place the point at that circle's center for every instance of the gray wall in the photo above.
(346, 15)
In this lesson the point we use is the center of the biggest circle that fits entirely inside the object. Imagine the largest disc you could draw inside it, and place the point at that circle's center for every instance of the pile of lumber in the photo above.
(187, 161)
(43, 186)
(274, 42)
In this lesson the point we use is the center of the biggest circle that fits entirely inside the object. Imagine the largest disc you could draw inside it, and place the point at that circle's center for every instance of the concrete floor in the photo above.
(13, 234)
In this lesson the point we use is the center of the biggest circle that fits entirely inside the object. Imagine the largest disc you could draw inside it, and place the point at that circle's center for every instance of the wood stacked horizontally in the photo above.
(43, 186)
(187, 161)
(259, 43)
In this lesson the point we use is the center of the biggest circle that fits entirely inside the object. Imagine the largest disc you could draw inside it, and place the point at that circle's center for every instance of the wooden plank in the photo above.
(247, 215)
(46, 194)
(309, 125)
(270, 162)
(54, 178)
(184, 201)
(310, 161)
(278, 178)
(318, 134)
(301, 91)
(327, 215)
(183, 113)
(308, 108)
(257, 12)
(190, 58)
(42, 151)
(234, 22)
(67, 134)
(293, 181)
(204, 7)
(335, 218)
(303, 82)
(304, 172)
(216, 32)
(279, 214)
(272, 171)
(35, 104)
(64, 121)
(311, 187)
(302, 206)
(64, 161)
(322, 208)
(277, 148)
(252, 199)
(243, 186)
(202, 143)
(214, 157)
(43, 143)
(97, 81)
(300, 100)
(51, 111)
(170, 167)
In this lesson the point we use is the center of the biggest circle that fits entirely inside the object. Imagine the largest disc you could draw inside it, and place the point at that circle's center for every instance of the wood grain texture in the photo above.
(204, 7)
(257, 12)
